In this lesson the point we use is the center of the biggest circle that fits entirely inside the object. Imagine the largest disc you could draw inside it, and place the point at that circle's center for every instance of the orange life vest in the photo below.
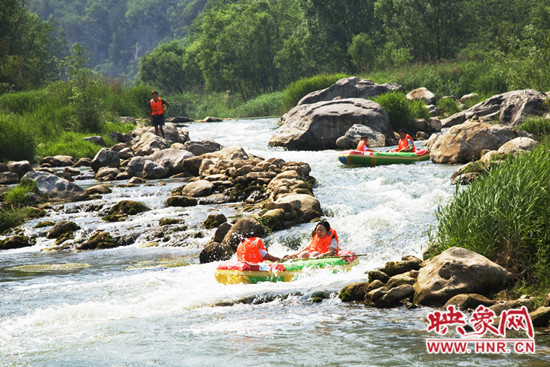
(403, 143)
(156, 107)
(361, 146)
(249, 250)
(322, 245)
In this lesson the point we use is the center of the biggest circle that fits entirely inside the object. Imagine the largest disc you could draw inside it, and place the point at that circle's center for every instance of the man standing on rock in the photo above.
(157, 108)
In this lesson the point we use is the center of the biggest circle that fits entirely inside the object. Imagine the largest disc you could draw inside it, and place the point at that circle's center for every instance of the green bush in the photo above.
(504, 216)
(16, 139)
(447, 106)
(22, 194)
(264, 105)
(298, 89)
(399, 109)
(536, 126)
(10, 217)
(69, 143)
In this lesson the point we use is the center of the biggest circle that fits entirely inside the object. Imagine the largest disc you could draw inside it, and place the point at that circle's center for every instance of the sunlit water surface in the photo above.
(124, 308)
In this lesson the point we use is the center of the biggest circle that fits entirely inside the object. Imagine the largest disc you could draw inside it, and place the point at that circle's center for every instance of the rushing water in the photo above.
(126, 307)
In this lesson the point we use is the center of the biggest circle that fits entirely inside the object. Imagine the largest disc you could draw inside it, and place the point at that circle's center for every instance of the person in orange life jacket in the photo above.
(362, 145)
(157, 108)
(252, 249)
(405, 144)
(324, 243)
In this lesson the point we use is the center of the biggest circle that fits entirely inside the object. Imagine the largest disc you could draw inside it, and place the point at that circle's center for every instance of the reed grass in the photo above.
(504, 216)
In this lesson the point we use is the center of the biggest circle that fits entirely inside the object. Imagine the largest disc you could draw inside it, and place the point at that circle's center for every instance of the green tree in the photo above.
(330, 26)
(429, 29)
(25, 58)
(163, 67)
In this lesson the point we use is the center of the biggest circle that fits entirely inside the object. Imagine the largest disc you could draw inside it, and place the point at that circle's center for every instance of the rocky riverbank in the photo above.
(276, 194)
(457, 277)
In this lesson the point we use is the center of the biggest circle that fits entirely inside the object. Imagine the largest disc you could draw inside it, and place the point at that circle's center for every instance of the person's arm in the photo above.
(296, 254)
(165, 105)
(331, 250)
(270, 257)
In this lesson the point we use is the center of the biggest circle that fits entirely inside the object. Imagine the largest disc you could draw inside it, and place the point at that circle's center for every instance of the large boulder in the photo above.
(243, 228)
(202, 147)
(520, 144)
(317, 126)
(153, 170)
(421, 94)
(149, 143)
(464, 143)
(175, 134)
(57, 161)
(8, 178)
(456, 271)
(349, 88)
(510, 108)
(171, 159)
(198, 188)
(303, 207)
(356, 132)
(56, 187)
(20, 168)
(215, 251)
(105, 158)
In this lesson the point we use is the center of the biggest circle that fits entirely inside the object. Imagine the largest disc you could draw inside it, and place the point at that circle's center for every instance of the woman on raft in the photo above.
(324, 243)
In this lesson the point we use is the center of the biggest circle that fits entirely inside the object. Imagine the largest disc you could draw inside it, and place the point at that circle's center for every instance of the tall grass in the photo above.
(270, 104)
(401, 111)
(536, 126)
(42, 121)
(298, 89)
(504, 216)
(447, 78)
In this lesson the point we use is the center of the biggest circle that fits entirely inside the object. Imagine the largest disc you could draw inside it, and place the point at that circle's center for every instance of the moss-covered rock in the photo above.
(180, 201)
(34, 212)
(122, 209)
(214, 220)
(99, 240)
(170, 221)
(16, 242)
(61, 228)
(354, 292)
(45, 223)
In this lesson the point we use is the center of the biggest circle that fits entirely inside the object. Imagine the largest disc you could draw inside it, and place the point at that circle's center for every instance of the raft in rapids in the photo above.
(355, 157)
(235, 272)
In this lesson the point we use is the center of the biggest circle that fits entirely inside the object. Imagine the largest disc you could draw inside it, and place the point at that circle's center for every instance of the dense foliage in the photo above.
(504, 216)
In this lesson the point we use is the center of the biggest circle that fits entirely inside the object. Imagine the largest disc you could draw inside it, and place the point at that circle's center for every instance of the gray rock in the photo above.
(105, 158)
(198, 188)
(317, 126)
(58, 160)
(8, 178)
(55, 187)
(356, 132)
(511, 108)
(421, 94)
(20, 167)
(349, 88)
(519, 144)
(457, 271)
(171, 159)
(95, 140)
(465, 142)
(202, 147)
(153, 170)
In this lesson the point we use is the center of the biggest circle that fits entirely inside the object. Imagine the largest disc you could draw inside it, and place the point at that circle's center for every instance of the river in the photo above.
(128, 307)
